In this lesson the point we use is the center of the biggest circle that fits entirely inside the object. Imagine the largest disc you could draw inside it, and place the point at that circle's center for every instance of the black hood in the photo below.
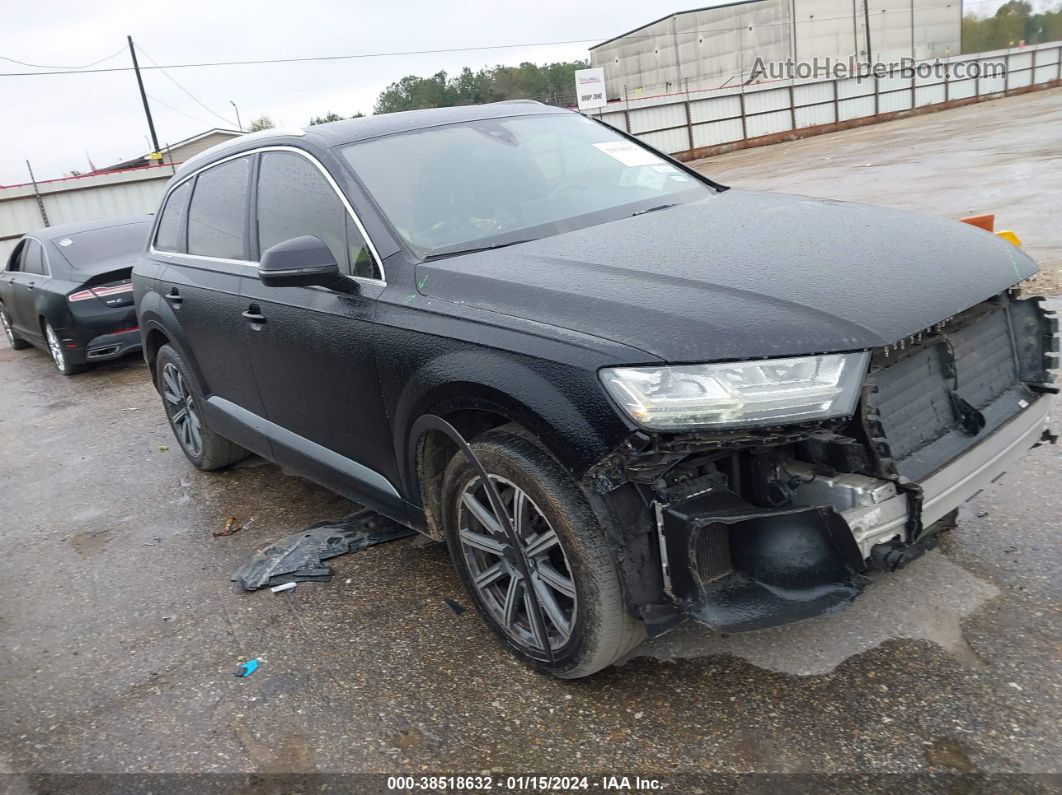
(741, 275)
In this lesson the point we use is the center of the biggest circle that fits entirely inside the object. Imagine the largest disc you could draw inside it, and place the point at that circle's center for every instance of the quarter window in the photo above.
(295, 199)
(170, 234)
(216, 217)
(33, 258)
(14, 262)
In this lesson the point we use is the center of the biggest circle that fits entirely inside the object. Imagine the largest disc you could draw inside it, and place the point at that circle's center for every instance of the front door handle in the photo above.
(254, 314)
(174, 297)
(31, 285)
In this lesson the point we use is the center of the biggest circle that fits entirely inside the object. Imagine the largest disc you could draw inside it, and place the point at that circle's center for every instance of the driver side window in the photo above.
(295, 199)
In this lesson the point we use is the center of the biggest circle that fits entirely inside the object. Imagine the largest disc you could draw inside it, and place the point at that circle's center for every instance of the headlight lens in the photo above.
(765, 392)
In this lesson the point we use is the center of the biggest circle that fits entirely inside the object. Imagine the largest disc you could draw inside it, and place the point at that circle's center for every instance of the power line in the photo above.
(185, 90)
(259, 62)
(118, 52)
(440, 51)
(178, 110)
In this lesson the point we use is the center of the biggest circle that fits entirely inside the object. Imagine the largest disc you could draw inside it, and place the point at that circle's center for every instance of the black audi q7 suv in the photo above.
(679, 400)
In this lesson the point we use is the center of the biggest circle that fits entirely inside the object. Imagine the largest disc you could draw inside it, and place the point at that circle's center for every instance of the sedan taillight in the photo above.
(103, 293)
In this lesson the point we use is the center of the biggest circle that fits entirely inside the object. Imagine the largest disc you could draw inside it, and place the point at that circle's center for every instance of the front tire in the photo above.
(183, 400)
(16, 342)
(571, 569)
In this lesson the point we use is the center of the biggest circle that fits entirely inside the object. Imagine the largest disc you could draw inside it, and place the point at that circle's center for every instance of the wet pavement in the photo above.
(120, 630)
(1003, 156)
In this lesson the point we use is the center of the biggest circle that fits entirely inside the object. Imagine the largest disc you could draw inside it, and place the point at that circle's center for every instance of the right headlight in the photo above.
(762, 392)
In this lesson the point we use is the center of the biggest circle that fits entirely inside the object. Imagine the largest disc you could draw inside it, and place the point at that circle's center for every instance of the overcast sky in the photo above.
(59, 121)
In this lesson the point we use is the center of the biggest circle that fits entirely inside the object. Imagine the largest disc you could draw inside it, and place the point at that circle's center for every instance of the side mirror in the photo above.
(301, 262)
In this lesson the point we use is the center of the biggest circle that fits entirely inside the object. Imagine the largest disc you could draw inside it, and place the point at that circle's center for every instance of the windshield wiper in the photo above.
(654, 209)
(476, 249)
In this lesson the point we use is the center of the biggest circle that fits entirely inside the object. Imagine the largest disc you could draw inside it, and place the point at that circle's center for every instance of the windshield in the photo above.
(494, 182)
(83, 249)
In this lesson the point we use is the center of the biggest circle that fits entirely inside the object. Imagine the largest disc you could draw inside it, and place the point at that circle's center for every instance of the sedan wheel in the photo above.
(496, 573)
(55, 348)
(15, 342)
(180, 406)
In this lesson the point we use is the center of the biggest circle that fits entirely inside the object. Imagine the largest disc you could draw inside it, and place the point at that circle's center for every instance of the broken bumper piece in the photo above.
(735, 568)
(299, 557)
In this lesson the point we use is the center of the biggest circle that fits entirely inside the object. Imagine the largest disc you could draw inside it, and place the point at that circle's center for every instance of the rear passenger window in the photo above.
(295, 199)
(33, 258)
(170, 234)
(216, 216)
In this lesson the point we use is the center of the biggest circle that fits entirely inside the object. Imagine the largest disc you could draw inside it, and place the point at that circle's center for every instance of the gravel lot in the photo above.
(119, 628)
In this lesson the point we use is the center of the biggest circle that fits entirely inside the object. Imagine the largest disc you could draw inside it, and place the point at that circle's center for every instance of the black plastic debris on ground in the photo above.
(298, 557)
(457, 607)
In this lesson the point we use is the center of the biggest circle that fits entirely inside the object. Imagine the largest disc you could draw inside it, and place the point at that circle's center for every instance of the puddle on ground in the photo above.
(925, 601)
(948, 754)
(90, 542)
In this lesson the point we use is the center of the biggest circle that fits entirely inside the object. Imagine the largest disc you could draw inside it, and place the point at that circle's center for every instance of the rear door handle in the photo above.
(174, 297)
(31, 285)
(254, 314)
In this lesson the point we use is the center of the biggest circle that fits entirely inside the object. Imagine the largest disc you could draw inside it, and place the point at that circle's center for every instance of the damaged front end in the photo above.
(758, 527)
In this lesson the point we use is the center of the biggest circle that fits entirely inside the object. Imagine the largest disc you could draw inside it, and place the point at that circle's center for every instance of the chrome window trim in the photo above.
(250, 263)
(272, 132)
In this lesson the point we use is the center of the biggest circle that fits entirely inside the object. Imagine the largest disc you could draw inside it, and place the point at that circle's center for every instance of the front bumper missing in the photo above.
(955, 483)
(734, 567)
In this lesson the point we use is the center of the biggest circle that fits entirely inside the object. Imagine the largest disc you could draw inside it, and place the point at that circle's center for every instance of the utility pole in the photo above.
(143, 98)
(37, 194)
(240, 124)
(866, 21)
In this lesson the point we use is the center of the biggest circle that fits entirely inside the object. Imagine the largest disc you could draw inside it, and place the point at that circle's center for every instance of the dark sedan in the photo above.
(67, 290)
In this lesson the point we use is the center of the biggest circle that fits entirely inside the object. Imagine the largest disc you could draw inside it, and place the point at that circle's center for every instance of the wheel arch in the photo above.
(476, 391)
(154, 339)
(159, 326)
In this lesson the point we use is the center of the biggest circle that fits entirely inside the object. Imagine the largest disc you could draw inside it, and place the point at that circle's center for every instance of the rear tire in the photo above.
(16, 342)
(58, 352)
(599, 629)
(183, 401)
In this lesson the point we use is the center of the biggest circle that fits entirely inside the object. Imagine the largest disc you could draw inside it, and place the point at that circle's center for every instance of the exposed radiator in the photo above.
(946, 392)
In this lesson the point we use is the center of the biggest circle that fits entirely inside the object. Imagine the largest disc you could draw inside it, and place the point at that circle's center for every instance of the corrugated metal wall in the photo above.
(715, 47)
(79, 199)
(685, 121)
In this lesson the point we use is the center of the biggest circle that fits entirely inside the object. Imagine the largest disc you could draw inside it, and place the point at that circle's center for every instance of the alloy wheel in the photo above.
(495, 570)
(55, 347)
(7, 327)
(180, 406)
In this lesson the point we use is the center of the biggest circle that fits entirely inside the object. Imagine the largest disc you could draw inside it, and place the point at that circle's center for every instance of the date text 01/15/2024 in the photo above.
(487, 783)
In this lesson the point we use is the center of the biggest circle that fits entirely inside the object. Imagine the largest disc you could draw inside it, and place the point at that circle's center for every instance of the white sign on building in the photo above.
(590, 88)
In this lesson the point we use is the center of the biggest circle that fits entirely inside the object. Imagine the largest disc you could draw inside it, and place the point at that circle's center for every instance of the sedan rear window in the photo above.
(83, 249)
(494, 181)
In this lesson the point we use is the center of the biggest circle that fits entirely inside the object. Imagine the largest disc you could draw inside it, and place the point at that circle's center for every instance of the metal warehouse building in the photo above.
(715, 46)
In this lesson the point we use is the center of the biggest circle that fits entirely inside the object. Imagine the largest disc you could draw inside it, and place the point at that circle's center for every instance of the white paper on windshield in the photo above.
(629, 154)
